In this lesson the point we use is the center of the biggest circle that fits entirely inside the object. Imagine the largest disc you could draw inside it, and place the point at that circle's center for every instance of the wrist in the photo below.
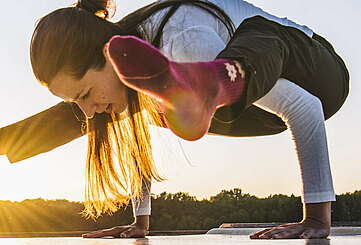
(317, 212)
(142, 221)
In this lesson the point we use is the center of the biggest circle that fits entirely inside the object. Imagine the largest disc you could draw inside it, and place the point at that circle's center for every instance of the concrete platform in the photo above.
(335, 231)
(181, 240)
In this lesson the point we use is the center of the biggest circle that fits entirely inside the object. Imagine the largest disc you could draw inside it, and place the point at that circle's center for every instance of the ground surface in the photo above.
(181, 240)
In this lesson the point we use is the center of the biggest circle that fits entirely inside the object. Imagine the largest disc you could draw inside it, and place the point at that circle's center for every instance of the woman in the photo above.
(275, 74)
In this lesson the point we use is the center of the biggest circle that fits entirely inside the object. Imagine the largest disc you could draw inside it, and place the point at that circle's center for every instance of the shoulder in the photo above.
(193, 44)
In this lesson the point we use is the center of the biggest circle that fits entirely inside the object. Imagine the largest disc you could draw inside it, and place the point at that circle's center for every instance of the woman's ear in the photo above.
(105, 50)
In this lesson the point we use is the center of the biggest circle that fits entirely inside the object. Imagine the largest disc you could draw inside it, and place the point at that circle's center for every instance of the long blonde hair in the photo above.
(119, 150)
(120, 155)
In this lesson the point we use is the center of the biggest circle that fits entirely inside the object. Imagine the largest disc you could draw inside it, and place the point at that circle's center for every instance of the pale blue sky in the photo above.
(261, 165)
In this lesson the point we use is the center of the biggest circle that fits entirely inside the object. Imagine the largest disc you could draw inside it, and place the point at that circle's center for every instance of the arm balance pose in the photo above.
(273, 75)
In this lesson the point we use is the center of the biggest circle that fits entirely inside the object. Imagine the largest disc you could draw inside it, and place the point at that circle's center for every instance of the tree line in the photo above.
(179, 211)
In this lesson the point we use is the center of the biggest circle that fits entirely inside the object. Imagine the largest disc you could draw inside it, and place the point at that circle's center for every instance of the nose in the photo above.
(88, 109)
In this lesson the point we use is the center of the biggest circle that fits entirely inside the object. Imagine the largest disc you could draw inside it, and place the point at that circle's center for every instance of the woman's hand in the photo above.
(139, 229)
(305, 230)
(126, 231)
(316, 224)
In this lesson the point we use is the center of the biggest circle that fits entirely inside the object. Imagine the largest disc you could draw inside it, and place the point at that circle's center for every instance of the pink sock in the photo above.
(189, 92)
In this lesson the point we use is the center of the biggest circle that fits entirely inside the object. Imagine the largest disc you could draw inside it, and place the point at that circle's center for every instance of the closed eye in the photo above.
(85, 96)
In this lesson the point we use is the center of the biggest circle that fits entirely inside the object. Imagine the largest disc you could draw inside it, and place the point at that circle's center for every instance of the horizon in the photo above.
(153, 195)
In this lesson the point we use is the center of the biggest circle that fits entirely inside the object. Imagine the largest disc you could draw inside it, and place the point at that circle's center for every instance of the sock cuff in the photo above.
(232, 78)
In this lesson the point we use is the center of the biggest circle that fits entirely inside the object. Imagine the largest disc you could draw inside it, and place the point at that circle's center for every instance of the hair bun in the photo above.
(101, 8)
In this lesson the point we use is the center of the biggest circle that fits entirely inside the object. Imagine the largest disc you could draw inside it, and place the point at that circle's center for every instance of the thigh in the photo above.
(320, 71)
(251, 122)
(257, 46)
(269, 51)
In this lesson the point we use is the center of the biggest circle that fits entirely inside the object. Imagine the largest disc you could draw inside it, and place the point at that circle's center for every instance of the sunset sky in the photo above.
(260, 165)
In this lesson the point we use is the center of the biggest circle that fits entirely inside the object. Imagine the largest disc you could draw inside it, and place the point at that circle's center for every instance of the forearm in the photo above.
(317, 212)
(40, 133)
(142, 222)
(303, 114)
(142, 205)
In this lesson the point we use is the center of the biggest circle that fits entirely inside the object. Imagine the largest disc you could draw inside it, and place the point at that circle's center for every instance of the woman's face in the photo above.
(98, 91)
